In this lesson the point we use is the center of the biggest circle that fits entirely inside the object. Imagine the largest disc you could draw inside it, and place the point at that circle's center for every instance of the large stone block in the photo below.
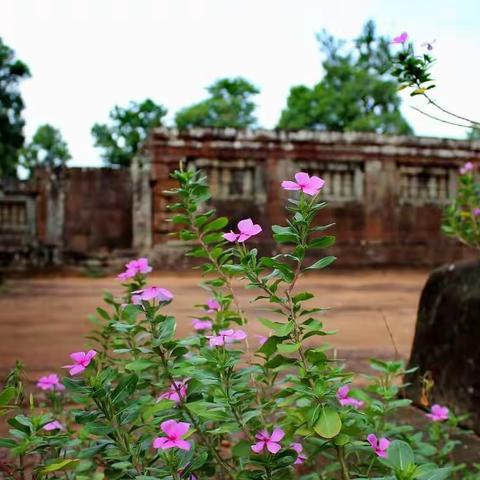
(446, 346)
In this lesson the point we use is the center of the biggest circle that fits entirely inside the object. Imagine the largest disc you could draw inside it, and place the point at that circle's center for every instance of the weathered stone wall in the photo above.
(97, 211)
(385, 193)
(64, 215)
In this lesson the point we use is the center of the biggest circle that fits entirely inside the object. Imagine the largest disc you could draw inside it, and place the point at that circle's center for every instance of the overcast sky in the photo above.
(88, 55)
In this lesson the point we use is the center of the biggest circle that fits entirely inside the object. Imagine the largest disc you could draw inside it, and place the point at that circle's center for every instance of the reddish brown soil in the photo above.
(42, 320)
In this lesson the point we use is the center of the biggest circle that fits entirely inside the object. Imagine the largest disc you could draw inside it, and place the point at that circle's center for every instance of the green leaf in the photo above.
(217, 224)
(232, 269)
(322, 263)
(7, 443)
(329, 423)
(280, 329)
(7, 395)
(166, 331)
(103, 313)
(283, 238)
(302, 297)
(322, 242)
(68, 464)
(241, 449)
(139, 365)
(270, 346)
(434, 474)
(288, 347)
(206, 410)
(400, 455)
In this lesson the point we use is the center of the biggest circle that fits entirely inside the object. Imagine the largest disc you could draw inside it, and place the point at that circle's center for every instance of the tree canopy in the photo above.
(121, 139)
(229, 105)
(12, 72)
(46, 149)
(357, 92)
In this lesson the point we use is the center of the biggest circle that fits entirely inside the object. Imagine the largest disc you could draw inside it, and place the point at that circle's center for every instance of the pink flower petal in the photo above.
(273, 447)
(159, 442)
(262, 435)
(302, 178)
(287, 185)
(258, 447)
(297, 447)
(244, 226)
(76, 369)
(312, 191)
(181, 428)
(342, 392)
(90, 355)
(77, 356)
(239, 335)
(277, 435)
(169, 427)
(316, 182)
(183, 444)
(372, 440)
(383, 444)
(231, 236)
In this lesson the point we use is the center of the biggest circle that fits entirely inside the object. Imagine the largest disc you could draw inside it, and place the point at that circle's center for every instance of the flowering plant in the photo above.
(143, 404)
(462, 216)
(413, 71)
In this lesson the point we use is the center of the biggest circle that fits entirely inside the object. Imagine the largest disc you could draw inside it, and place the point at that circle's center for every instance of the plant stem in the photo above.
(343, 463)
(474, 123)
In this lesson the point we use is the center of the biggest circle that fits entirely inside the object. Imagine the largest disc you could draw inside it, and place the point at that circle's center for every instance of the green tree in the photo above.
(12, 71)
(357, 93)
(46, 149)
(229, 105)
(128, 129)
(473, 134)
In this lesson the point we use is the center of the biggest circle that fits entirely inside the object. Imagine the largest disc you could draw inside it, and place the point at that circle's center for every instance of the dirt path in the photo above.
(42, 320)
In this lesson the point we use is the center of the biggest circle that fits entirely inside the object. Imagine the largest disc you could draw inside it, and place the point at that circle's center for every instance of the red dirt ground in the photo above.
(42, 320)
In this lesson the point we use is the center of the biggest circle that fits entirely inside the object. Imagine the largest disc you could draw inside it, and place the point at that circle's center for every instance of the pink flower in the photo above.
(55, 425)
(344, 399)
(299, 449)
(468, 167)
(213, 305)
(246, 230)
(268, 441)
(380, 446)
(476, 211)
(261, 339)
(135, 267)
(82, 361)
(226, 336)
(50, 382)
(402, 38)
(174, 432)
(176, 392)
(151, 293)
(438, 413)
(201, 324)
(305, 183)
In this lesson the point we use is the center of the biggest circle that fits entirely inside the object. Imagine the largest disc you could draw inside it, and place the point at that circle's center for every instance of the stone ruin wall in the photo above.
(64, 216)
(385, 193)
